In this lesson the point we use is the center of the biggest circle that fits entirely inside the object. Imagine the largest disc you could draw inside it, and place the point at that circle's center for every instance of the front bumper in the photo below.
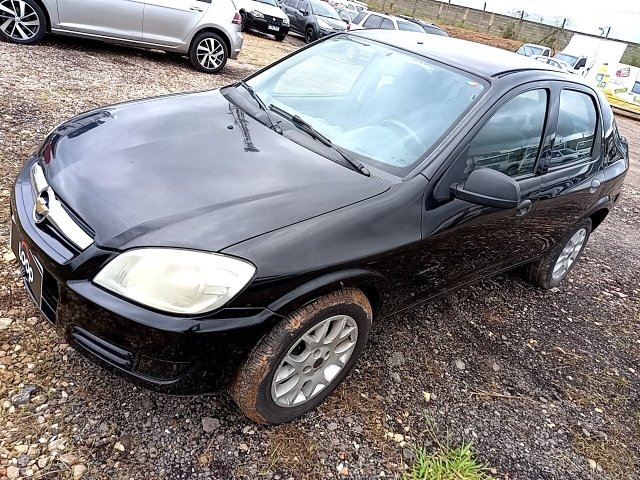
(162, 352)
(263, 25)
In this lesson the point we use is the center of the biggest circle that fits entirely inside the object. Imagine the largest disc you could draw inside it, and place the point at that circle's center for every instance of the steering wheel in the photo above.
(410, 138)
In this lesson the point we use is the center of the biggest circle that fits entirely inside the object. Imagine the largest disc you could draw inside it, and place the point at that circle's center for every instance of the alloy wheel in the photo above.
(210, 53)
(569, 254)
(18, 20)
(314, 361)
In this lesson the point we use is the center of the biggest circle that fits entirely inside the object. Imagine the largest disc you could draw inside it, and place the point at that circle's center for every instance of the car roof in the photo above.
(535, 45)
(475, 57)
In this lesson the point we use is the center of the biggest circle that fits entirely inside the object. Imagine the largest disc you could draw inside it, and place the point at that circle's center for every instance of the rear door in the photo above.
(111, 18)
(300, 15)
(573, 170)
(169, 22)
(290, 7)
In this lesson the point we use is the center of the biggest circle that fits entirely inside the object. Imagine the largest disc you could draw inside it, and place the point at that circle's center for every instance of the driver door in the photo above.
(110, 18)
(463, 242)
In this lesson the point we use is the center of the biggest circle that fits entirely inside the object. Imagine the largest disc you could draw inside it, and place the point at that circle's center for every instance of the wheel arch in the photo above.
(598, 217)
(47, 17)
(369, 282)
(215, 30)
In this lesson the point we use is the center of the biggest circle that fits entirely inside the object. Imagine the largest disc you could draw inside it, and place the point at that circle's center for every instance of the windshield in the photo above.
(570, 59)
(324, 10)
(385, 106)
(536, 50)
(268, 2)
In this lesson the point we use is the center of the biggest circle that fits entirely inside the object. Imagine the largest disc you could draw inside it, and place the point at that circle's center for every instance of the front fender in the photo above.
(369, 281)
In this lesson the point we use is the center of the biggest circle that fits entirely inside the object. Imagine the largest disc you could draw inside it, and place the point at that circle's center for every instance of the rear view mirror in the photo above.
(489, 188)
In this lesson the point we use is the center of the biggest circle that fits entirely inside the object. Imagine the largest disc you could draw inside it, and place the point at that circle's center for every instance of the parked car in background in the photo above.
(555, 62)
(208, 32)
(531, 49)
(428, 27)
(346, 15)
(264, 16)
(313, 19)
(367, 19)
(247, 237)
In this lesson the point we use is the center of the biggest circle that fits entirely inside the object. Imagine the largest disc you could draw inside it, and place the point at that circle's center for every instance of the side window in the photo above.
(576, 128)
(387, 24)
(359, 17)
(510, 141)
(373, 21)
(303, 6)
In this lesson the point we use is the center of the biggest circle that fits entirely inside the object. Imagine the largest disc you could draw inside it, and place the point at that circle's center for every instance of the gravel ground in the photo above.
(544, 383)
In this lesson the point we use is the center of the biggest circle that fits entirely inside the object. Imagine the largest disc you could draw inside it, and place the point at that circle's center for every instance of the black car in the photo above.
(313, 19)
(428, 27)
(247, 237)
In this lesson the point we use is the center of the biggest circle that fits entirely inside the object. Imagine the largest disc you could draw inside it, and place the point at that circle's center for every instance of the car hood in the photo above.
(190, 171)
(268, 10)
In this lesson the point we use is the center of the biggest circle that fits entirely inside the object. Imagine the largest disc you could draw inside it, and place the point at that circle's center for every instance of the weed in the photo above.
(447, 464)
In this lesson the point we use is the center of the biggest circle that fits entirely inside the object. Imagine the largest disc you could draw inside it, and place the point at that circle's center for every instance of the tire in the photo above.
(199, 54)
(310, 35)
(244, 25)
(31, 26)
(280, 36)
(541, 272)
(263, 398)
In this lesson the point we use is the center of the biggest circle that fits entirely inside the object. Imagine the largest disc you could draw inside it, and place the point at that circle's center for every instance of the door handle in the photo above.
(195, 9)
(523, 208)
(595, 185)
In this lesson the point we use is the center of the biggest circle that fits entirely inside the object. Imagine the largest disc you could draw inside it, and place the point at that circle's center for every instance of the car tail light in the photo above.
(237, 19)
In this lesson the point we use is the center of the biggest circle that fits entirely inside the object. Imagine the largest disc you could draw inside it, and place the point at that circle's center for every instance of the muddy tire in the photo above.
(550, 270)
(303, 358)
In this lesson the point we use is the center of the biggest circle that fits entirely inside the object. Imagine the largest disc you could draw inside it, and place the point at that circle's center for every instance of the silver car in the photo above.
(208, 32)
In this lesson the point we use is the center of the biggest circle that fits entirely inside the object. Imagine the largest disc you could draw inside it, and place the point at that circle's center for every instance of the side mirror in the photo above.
(489, 188)
(581, 63)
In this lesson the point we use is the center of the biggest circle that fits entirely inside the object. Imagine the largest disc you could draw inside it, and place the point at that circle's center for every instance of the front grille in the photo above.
(50, 296)
(274, 20)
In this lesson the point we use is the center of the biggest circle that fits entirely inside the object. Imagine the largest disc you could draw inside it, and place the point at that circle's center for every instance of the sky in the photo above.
(623, 16)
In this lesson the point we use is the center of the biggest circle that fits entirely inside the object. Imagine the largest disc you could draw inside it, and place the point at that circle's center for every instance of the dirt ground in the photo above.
(544, 383)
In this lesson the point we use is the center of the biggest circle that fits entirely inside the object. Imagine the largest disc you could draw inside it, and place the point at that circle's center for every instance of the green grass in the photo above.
(447, 464)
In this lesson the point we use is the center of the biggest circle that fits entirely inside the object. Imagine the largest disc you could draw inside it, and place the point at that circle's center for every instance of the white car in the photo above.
(555, 62)
(264, 16)
(366, 19)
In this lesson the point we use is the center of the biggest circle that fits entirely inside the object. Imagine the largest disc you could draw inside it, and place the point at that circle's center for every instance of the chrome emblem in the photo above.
(41, 207)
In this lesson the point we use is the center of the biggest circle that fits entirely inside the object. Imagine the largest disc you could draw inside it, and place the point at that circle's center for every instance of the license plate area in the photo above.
(30, 267)
(274, 27)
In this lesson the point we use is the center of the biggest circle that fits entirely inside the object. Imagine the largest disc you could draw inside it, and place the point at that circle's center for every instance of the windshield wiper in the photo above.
(261, 104)
(313, 133)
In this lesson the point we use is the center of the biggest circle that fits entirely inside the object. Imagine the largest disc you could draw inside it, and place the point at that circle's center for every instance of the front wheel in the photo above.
(551, 269)
(280, 36)
(208, 52)
(22, 21)
(309, 35)
(303, 358)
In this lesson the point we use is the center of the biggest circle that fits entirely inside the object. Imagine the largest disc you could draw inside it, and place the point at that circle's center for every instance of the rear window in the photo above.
(374, 21)
(387, 24)
(435, 31)
(576, 128)
(409, 26)
(359, 17)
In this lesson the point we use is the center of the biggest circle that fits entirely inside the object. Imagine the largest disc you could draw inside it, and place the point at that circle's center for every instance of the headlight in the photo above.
(285, 21)
(257, 14)
(323, 24)
(177, 281)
